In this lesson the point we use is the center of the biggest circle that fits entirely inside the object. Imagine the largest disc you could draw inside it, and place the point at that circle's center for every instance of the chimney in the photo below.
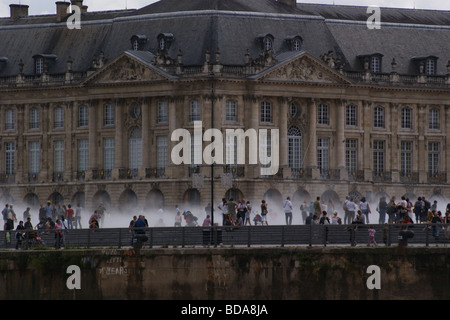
(291, 3)
(61, 10)
(18, 11)
(78, 3)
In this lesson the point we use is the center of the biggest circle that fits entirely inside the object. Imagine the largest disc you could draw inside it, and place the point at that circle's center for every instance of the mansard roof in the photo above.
(232, 26)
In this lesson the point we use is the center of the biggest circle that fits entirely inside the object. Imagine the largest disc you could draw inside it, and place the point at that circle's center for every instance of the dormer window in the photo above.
(372, 62)
(41, 61)
(164, 41)
(3, 62)
(266, 41)
(138, 42)
(426, 65)
(39, 65)
(294, 43)
(430, 67)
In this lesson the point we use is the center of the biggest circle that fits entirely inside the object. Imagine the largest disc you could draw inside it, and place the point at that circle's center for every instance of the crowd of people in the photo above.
(55, 218)
(59, 217)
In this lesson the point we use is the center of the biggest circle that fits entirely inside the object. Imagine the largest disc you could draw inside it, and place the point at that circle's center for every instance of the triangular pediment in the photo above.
(127, 68)
(303, 68)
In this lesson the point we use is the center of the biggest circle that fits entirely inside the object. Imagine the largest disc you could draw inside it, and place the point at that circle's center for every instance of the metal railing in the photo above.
(276, 235)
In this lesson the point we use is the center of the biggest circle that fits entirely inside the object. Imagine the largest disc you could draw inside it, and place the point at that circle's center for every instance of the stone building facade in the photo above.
(87, 115)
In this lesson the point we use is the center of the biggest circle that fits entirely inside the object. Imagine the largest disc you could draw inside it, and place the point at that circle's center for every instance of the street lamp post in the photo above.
(212, 162)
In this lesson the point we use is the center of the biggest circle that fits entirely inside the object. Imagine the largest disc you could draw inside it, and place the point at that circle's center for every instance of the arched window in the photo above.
(135, 148)
(295, 148)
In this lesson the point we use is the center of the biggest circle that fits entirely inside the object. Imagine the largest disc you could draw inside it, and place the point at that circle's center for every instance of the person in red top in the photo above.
(70, 216)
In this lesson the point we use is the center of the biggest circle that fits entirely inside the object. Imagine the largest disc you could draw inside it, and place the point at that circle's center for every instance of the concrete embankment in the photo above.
(287, 273)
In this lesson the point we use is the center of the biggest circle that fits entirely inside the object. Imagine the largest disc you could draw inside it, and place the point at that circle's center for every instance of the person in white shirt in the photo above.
(365, 209)
(287, 207)
(351, 207)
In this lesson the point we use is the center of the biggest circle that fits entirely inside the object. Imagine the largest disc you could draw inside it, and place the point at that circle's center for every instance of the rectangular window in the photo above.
(231, 111)
(58, 166)
(231, 150)
(430, 67)
(194, 114)
(433, 119)
(406, 118)
(34, 118)
(108, 116)
(351, 155)
(376, 64)
(323, 155)
(196, 157)
(294, 151)
(59, 118)
(266, 111)
(378, 117)
(161, 152)
(108, 153)
(405, 158)
(323, 116)
(34, 157)
(39, 65)
(350, 116)
(9, 121)
(433, 158)
(162, 112)
(266, 146)
(10, 150)
(83, 155)
(378, 157)
(83, 115)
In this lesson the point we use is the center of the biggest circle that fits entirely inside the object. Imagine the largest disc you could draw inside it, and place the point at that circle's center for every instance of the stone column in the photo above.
(94, 108)
(148, 149)
(69, 117)
(367, 161)
(446, 148)
(340, 138)
(394, 145)
(174, 104)
(253, 123)
(283, 143)
(21, 154)
(118, 140)
(311, 148)
(419, 162)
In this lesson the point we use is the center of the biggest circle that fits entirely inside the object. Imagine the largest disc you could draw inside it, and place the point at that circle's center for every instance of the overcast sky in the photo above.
(48, 6)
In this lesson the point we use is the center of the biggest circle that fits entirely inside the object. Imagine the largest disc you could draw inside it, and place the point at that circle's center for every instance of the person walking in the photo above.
(372, 236)
(248, 212)
(287, 206)
(365, 209)
(264, 212)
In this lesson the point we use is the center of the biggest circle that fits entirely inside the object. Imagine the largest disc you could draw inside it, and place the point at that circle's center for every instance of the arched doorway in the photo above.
(31, 200)
(299, 196)
(234, 194)
(101, 197)
(128, 202)
(56, 198)
(331, 200)
(273, 198)
(79, 198)
(155, 199)
(192, 197)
